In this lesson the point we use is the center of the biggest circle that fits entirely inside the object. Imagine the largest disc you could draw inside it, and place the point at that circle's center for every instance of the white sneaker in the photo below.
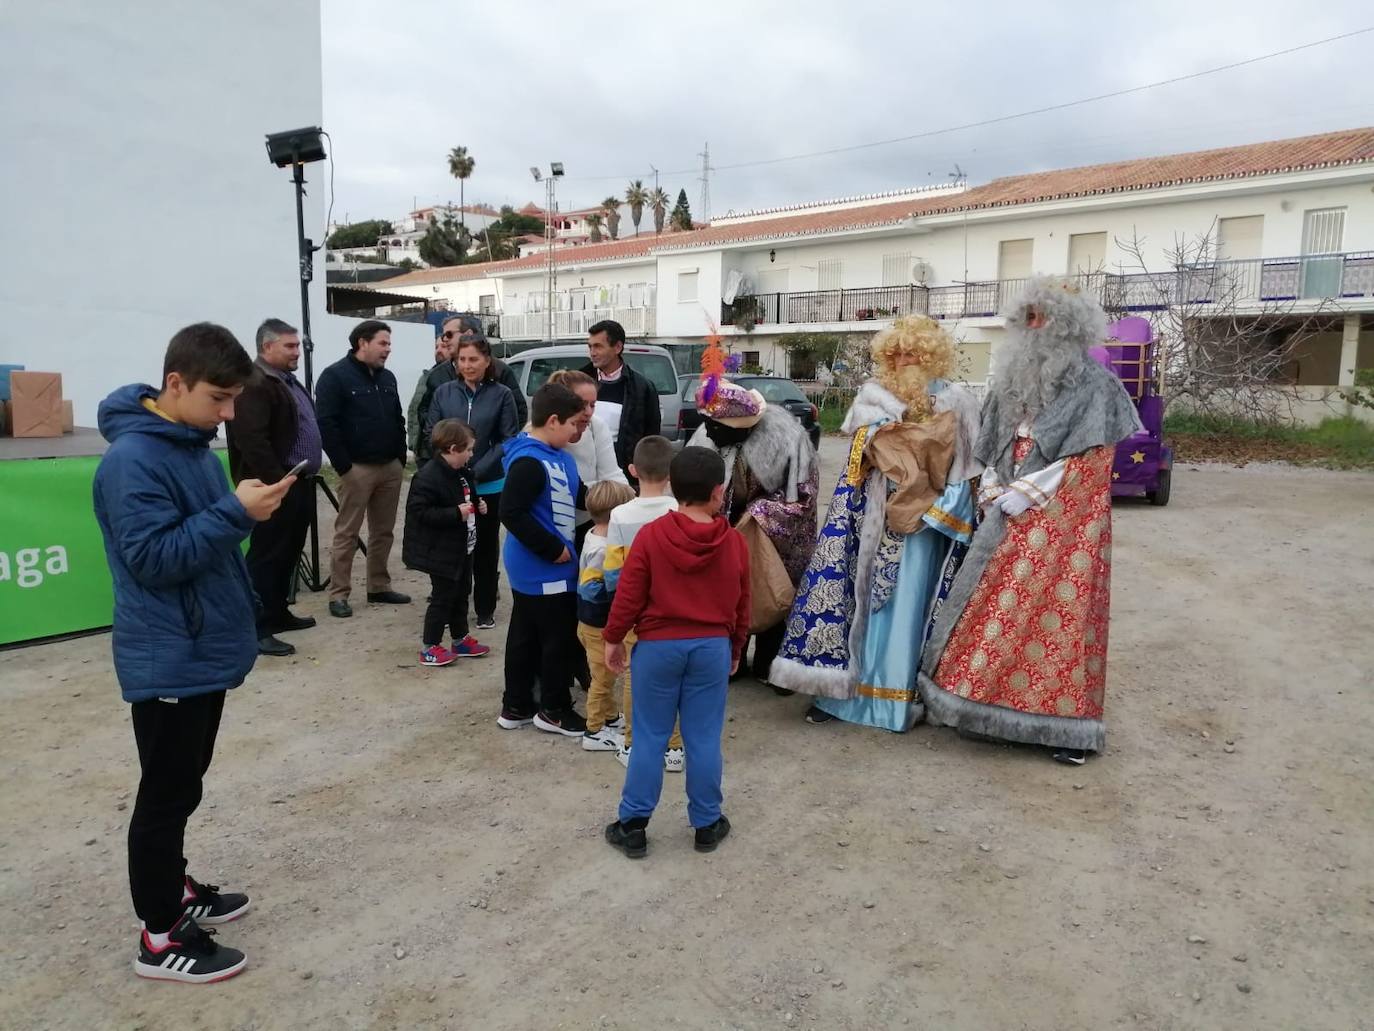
(622, 755)
(675, 760)
(603, 740)
(617, 724)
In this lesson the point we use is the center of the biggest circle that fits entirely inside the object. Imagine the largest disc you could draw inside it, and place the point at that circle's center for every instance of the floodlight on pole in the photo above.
(536, 173)
(550, 268)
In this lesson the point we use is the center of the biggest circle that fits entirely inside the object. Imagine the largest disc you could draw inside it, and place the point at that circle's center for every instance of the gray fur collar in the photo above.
(777, 452)
(1093, 412)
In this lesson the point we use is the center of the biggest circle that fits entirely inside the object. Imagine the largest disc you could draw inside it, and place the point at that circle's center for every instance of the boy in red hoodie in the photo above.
(685, 590)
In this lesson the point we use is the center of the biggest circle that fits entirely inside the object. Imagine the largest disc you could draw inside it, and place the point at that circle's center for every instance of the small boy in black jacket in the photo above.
(439, 540)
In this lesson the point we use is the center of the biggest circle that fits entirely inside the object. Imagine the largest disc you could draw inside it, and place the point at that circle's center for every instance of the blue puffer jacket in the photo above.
(184, 606)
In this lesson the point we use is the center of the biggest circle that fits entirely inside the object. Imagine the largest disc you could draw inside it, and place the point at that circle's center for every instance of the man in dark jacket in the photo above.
(455, 332)
(273, 430)
(184, 630)
(364, 432)
(624, 399)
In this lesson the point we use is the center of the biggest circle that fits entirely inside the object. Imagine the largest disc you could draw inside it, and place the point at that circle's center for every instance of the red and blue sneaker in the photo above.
(469, 648)
(437, 655)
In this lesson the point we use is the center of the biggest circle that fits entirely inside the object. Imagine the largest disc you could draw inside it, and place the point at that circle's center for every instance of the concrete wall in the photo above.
(146, 122)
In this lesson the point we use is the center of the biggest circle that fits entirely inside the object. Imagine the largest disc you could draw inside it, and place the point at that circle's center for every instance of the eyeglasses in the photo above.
(465, 336)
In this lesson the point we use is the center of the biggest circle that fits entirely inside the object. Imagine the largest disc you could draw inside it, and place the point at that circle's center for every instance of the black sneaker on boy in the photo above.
(569, 723)
(190, 955)
(709, 837)
(512, 720)
(209, 907)
(630, 838)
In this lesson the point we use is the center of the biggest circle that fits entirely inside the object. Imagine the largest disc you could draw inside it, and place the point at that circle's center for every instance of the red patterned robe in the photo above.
(1033, 637)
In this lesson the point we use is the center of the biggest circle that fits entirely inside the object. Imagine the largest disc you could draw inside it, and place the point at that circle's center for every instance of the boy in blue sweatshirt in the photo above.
(184, 624)
(539, 505)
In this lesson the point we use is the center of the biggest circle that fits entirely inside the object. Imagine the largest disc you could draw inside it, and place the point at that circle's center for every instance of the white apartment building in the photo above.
(1276, 230)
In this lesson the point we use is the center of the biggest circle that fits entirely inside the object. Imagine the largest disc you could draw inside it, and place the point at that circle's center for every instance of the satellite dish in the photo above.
(921, 272)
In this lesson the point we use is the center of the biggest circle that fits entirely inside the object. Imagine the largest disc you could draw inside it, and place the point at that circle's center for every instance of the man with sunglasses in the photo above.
(454, 332)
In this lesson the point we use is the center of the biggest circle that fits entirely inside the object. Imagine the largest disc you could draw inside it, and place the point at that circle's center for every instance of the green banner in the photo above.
(53, 574)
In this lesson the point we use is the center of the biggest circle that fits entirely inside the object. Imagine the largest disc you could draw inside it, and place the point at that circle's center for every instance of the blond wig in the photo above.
(934, 350)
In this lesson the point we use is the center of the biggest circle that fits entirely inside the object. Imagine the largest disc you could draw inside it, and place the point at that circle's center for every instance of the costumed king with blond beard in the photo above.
(898, 523)
(1019, 650)
(771, 477)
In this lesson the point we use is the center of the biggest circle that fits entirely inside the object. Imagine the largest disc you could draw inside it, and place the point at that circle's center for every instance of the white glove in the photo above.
(1013, 503)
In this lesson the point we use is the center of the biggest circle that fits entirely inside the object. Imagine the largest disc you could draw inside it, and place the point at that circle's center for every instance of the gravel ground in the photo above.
(413, 866)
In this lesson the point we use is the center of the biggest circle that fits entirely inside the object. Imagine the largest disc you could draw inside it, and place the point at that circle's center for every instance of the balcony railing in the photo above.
(1229, 284)
(534, 325)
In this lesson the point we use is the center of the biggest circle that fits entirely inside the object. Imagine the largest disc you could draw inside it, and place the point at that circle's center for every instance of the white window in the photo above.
(1087, 253)
(1323, 230)
(687, 285)
(897, 269)
(486, 304)
(637, 295)
(828, 272)
(1014, 259)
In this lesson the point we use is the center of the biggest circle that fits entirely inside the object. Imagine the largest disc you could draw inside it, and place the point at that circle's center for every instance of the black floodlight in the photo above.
(295, 146)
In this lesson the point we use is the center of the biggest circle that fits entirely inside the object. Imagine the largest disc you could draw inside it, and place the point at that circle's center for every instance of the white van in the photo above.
(532, 369)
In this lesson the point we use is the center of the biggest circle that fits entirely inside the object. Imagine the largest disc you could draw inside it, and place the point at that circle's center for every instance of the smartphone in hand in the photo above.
(298, 468)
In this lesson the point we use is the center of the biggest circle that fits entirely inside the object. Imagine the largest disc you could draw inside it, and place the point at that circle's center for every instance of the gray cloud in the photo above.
(611, 89)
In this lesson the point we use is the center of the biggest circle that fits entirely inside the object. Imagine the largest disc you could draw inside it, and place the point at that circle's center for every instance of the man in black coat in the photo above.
(455, 332)
(625, 400)
(364, 432)
(273, 429)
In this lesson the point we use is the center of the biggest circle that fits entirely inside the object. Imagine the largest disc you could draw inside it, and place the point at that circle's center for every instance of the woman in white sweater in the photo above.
(594, 451)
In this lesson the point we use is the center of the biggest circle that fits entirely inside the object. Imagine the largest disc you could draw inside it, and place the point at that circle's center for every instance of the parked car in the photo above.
(533, 368)
(775, 390)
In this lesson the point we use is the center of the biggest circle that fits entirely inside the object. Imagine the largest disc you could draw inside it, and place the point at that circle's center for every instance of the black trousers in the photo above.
(274, 547)
(486, 576)
(539, 646)
(448, 606)
(175, 743)
(767, 644)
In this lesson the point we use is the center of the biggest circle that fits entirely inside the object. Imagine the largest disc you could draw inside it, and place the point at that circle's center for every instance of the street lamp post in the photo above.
(550, 268)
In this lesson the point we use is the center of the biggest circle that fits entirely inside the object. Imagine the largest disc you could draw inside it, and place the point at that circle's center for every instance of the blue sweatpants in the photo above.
(677, 680)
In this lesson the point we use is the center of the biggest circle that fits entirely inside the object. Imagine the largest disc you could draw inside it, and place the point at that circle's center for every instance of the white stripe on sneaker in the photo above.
(171, 958)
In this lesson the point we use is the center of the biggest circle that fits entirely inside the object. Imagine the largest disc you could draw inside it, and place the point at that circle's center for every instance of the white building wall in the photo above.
(129, 126)
(681, 318)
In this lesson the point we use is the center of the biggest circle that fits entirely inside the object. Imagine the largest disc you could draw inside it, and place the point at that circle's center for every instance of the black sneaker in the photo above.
(1071, 756)
(486, 622)
(190, 955)
(209, 907)
(634, 842)
(569, 723)
(340, 609)
(709, 837)
(387, 598)
(781, 692)
(512, 720)
(817, 715)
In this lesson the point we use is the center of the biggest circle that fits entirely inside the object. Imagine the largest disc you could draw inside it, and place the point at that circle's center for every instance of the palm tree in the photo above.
(658, 200)
(460, 166)
(611, 205)
(594, 222)
(636, 196)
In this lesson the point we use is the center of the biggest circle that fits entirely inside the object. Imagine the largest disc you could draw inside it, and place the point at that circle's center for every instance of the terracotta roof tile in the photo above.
(1353, 146)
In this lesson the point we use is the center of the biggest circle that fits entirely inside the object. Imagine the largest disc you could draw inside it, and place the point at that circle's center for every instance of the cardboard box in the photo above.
(68, 418)
(5, 371)
(36, 404)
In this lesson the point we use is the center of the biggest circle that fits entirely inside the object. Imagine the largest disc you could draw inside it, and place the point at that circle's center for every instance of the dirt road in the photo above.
(413, 866)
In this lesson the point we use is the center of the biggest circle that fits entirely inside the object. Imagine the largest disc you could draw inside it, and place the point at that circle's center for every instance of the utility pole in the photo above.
(706, 171)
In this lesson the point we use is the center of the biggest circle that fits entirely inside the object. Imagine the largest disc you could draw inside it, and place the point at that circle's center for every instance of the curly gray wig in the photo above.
(1036, 363)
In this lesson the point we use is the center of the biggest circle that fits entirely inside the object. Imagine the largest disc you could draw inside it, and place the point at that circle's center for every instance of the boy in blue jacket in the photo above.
(539, 505)
(184, 624)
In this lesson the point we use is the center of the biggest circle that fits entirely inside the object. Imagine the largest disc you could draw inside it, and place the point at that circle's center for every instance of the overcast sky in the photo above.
(613, 89)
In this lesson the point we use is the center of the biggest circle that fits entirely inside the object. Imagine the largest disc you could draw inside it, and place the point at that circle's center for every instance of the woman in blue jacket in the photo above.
(488, 407)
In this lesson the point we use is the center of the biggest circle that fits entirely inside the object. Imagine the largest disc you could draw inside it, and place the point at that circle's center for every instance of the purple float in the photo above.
(1144, 462)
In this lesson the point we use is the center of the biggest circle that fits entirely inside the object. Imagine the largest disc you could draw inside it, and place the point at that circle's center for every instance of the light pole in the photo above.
(550, 268)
